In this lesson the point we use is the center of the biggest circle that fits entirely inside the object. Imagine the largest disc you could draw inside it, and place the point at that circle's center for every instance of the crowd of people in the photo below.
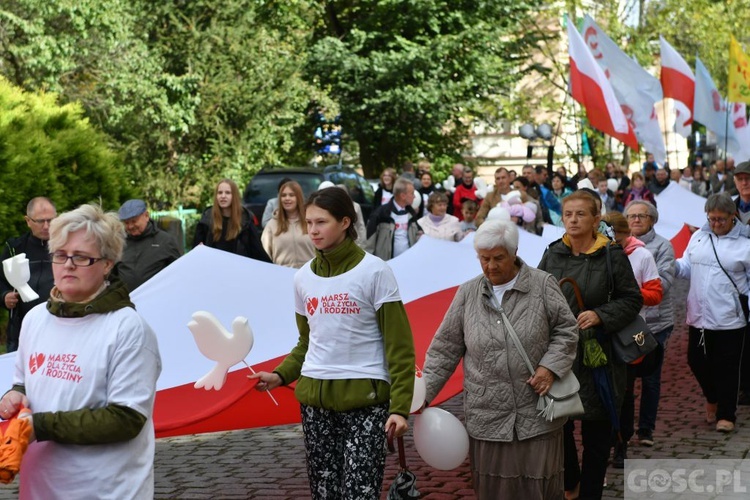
(354, 375)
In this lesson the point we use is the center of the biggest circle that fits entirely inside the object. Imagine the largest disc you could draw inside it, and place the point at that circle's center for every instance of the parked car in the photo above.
(265, 185)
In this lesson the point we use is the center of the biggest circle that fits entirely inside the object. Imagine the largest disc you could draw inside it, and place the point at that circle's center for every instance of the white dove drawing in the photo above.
(217, 344)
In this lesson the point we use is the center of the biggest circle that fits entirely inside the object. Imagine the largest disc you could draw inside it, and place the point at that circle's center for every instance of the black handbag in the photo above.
(635, 341)
(404, 486)
(743, 297)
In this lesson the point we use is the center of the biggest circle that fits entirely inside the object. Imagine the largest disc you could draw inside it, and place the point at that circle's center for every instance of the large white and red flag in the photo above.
(711, 110)
(742, 130)
(591, 88)
(636, 90)
(678, 83)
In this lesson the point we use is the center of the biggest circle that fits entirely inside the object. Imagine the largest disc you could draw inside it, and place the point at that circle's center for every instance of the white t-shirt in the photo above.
(499, 290)
(345, 339)
(400, 231)
(386, 197)
(67, 364)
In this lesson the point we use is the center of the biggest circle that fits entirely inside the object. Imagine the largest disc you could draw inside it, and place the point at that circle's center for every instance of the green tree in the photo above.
(410, 76)
(47, 149)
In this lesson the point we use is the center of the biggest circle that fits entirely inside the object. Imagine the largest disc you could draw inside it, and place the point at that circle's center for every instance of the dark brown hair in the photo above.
(338, 203)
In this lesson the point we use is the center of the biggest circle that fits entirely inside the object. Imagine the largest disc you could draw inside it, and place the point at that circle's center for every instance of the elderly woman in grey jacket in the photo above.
(514, 452)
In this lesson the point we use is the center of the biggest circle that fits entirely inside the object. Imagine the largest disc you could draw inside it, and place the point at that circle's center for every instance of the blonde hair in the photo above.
(104, 228)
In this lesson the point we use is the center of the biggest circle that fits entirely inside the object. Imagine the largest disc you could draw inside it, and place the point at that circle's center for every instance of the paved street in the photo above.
(269, 462)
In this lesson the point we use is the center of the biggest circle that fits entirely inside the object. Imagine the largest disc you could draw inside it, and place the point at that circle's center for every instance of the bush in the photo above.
(48, 149)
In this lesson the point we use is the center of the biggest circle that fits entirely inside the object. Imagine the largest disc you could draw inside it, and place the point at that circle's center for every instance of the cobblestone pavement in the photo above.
(269, 463)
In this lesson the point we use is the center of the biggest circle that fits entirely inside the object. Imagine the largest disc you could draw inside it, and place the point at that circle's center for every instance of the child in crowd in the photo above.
(469, 209)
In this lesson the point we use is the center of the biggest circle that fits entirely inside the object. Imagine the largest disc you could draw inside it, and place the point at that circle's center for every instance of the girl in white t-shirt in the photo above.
(354, 362)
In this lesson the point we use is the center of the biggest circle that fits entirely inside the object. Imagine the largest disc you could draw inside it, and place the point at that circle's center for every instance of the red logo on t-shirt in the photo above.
(312, 305)
(35, 362)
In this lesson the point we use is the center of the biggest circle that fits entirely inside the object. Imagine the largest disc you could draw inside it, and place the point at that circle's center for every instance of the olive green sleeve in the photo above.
(399, 352)
(111, 424)
(290, 368)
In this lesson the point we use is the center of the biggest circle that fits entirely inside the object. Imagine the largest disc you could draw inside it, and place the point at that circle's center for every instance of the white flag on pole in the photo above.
(636, 90)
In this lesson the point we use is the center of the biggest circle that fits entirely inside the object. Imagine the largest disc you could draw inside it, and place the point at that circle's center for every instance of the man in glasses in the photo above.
(39, 213)
(742, 182)
(148, 249)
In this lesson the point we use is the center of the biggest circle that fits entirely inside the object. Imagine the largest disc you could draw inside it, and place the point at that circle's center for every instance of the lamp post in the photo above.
(544, 133)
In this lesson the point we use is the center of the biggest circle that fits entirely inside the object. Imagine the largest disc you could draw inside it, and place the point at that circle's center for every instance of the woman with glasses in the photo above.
(642, 216)
(87, 367)
(717, 263)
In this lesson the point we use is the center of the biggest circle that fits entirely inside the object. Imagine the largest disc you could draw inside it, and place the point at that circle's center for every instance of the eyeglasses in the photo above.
(717, 220)
(638, 216)
(78, 260)
(41, 221)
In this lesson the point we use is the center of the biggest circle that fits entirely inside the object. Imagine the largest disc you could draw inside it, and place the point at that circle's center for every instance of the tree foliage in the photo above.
(410, 76)
(51, 150)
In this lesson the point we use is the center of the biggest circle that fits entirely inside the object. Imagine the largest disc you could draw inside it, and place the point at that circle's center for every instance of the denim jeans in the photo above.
(651, 387)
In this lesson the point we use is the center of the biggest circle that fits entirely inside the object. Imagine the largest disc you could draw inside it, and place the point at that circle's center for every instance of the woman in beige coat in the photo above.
(285, 237)
(514, 452)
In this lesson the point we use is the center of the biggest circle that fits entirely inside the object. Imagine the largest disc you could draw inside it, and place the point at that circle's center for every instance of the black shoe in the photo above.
(646, 437)
(744, 399)
(621, 454)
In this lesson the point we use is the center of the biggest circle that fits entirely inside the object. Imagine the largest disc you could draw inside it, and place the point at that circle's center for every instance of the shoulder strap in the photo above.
(710, 238)
(610, 274)
(512, 334)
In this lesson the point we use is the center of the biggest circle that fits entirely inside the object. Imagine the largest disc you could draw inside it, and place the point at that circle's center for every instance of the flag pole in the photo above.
(664, 116)
(726, 129)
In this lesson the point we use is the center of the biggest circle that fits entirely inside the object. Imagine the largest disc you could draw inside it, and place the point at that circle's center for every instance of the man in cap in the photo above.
(39, 214)
(742, 183)
(148, 249)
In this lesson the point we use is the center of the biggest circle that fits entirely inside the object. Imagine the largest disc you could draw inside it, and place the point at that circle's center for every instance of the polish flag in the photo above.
(711, 110)
(678, 83)
(635, 88)
(591, 88)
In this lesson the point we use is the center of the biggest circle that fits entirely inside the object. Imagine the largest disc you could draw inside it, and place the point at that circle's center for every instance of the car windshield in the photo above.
(266, 186)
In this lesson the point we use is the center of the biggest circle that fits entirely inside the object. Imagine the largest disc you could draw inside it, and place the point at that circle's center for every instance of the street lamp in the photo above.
(543, 132)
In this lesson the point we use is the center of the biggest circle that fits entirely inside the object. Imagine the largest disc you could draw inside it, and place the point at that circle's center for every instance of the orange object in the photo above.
(13, 443)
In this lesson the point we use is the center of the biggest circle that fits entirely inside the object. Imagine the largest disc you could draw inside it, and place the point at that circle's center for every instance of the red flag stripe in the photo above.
(587, 91)
(679, 87)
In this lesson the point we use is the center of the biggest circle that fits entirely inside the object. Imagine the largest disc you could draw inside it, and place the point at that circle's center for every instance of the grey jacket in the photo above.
(498, 402)
(661, 316)
(381, 228)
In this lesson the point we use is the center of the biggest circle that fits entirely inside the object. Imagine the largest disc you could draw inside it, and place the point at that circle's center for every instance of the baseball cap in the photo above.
(131, 208)
(742, 168)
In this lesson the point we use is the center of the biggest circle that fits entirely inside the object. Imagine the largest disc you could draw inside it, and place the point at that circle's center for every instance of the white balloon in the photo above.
(420, 391)
(441, 439)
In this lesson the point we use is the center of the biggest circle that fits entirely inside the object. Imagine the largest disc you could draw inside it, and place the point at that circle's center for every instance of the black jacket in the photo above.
(146, 254)
(590, 272)
(247, 243)
(41, 280)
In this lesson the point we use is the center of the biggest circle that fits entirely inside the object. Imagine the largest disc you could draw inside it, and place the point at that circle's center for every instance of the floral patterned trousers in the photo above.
(345, 451)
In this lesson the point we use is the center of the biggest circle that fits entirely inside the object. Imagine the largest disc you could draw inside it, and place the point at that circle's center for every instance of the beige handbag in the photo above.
(562, 399)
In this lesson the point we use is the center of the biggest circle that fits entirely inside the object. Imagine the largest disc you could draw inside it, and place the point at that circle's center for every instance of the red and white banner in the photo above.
(636, 90)
(678, 83)
(742, 130)
(591, 88)
(711, 110)
(227, 286)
